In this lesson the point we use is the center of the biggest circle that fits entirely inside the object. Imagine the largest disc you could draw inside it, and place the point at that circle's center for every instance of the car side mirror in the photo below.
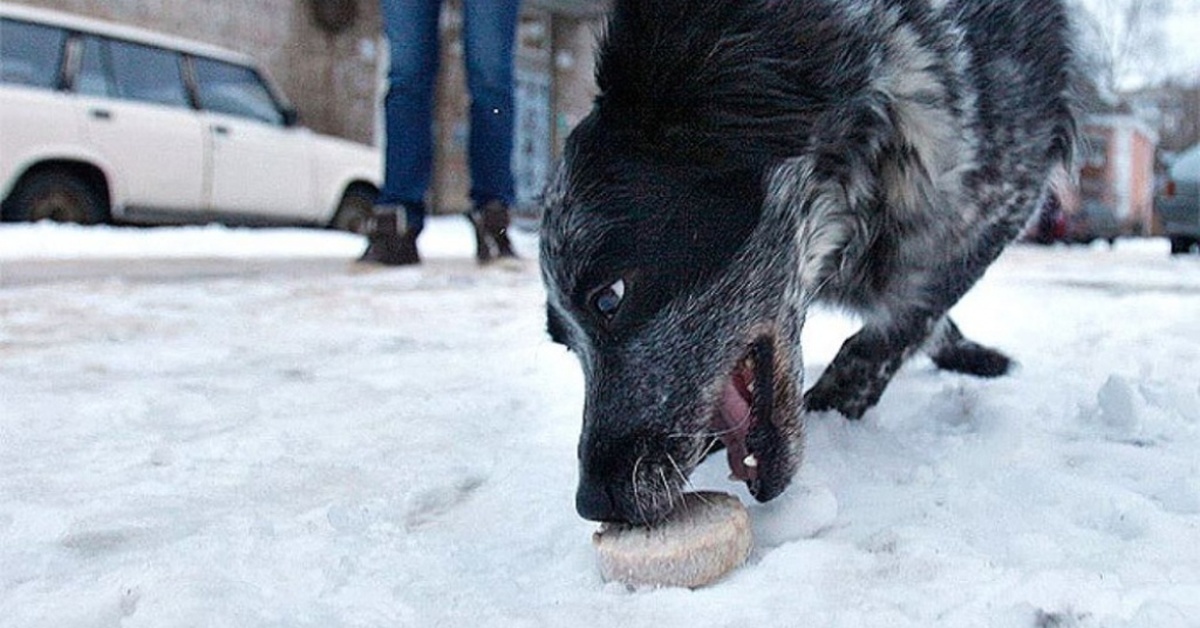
(291, 117)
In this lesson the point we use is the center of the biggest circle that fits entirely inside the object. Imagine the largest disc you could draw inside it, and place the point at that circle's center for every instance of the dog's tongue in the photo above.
(737, 418)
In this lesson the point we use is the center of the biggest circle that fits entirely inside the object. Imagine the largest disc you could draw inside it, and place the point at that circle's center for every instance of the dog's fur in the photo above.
(746, 158)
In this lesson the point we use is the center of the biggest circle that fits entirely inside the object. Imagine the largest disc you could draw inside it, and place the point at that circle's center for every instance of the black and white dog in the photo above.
(746, 158)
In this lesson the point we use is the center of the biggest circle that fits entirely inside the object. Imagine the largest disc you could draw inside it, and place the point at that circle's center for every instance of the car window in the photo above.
(235, 90)
(147, 74)
(95, 70)
(30, 54)
(131, 71)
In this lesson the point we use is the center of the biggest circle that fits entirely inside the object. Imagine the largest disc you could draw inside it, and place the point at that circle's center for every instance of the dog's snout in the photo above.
(594, 501)
(620, 479)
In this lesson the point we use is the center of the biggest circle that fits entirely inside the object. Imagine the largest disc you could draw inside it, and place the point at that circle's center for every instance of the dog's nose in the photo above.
(594, 501)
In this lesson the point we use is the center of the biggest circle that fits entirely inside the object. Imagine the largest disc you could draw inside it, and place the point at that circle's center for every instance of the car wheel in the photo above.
(354, 212)
(57, 195)
(1180, 245)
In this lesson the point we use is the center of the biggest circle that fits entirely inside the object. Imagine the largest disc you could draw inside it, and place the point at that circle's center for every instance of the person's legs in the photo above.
(411, 27)
(489, 39)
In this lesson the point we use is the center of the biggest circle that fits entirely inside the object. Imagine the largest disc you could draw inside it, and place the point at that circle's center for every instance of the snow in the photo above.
(396, 447)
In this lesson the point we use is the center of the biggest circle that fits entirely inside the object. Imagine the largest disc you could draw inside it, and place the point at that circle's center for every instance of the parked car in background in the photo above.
(1178, 204)
(1093, 221)
(101, 122)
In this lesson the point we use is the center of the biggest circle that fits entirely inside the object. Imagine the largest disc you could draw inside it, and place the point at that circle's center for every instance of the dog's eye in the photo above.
(607, 300)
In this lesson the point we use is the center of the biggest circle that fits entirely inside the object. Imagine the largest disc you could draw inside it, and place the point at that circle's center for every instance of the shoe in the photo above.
(491, 231)
(389, 243)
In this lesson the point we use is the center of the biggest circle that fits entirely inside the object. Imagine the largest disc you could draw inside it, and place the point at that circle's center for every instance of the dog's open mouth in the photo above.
(744, 408)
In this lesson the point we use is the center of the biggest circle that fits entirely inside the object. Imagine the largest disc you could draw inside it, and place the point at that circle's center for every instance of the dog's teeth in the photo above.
(750, 461)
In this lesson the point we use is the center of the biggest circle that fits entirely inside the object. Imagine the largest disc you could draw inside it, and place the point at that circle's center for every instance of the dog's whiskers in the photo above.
(662, 475)
(637, 493)
(706, 433)
(684, 481)
(712, 444)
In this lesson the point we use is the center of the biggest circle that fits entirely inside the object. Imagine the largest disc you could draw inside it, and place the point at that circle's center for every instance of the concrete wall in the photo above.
(574, 72)
(532, 117)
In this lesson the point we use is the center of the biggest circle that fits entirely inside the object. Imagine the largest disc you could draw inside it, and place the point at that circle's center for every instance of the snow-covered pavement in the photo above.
(396, 447)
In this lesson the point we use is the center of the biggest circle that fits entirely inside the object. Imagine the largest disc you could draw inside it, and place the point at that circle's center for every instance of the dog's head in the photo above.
(661, 280)
(695, 211)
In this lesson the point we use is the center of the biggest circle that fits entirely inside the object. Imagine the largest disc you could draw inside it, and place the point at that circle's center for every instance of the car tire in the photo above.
(354, 211)
(56, 195)
(1181, 245)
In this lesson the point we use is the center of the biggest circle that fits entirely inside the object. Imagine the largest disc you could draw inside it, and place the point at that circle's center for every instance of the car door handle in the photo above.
(101, 114)
(220, 129)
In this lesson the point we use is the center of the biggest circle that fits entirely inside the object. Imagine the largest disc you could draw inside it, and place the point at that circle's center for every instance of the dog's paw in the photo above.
(824, 397)
(972, 359)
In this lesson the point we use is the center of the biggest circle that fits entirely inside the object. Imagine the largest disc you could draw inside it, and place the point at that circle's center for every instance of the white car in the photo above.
(100, 122)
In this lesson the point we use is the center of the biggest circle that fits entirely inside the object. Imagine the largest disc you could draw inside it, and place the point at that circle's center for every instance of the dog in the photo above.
(745, 159)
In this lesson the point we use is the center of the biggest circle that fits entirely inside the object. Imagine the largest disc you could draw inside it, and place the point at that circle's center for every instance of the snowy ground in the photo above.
(396, 448)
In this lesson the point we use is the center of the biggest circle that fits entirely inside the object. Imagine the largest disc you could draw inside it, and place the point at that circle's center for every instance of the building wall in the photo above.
(336, 80)
(532, 144)
(1118, 171)
(574, 72)
(1142, 182)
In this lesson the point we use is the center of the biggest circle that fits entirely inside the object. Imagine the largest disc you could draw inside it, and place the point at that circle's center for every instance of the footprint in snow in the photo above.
(428, 503)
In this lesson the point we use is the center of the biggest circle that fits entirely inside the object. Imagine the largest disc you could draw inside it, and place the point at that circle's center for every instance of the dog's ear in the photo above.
(887, 144)
(863, 156)
(848, 144)
(926, 134)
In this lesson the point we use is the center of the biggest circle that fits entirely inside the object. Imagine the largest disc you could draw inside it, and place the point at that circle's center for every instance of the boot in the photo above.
(491, 232)
(388, 243)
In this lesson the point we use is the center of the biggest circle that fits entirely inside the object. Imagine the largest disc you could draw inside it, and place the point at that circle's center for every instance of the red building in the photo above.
(1115, 191)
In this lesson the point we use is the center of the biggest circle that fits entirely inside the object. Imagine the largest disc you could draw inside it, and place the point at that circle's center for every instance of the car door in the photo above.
(139, 118)
(261, 165)
(1179, 204)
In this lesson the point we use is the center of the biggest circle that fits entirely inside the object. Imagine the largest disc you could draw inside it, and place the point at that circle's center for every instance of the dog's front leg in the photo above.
(856, 378)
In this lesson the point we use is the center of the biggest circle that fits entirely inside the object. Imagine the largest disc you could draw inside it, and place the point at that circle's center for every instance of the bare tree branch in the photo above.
(1125, 39)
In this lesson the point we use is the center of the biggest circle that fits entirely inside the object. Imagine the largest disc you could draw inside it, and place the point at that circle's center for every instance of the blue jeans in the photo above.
(489, 34)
